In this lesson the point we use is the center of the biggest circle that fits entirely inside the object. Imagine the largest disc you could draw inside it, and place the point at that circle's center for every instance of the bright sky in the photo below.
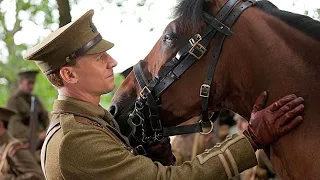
(133, 29)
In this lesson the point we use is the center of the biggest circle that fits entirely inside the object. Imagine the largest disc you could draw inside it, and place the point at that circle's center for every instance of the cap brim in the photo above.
(101, 46)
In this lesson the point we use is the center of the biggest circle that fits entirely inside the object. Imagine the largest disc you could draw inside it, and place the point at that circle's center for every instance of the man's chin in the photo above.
(109, 88)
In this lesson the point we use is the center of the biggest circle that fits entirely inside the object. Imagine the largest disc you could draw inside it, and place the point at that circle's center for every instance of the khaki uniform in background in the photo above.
(89, 146)
(263, 171)
(19, 124)
(188, 146)
(16, 161)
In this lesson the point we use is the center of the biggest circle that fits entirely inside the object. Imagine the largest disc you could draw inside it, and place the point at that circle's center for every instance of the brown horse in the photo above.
(269, 50)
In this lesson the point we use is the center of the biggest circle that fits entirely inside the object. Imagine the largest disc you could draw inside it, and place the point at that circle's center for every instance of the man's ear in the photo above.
(68, 75)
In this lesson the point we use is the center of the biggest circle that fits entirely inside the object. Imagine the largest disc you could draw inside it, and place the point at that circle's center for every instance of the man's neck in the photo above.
(79, 95)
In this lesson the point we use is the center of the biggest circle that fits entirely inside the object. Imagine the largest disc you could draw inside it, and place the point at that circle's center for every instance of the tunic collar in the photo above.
(65, 104)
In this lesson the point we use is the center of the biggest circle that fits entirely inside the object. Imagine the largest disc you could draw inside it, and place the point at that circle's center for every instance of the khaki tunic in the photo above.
(19, 125)
(17, 163)
(89, 146)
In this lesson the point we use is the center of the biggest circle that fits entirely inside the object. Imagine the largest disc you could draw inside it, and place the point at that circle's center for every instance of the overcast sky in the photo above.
(134, 30)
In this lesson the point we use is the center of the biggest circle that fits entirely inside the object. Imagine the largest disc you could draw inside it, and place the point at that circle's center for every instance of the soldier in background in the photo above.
(17, 163)
(20, 101)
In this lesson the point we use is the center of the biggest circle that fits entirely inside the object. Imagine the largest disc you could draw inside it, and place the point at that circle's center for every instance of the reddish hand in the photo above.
(269, 124)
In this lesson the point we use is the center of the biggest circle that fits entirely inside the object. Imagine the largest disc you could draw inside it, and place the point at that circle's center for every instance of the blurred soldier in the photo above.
(21, 101)
(17, 163)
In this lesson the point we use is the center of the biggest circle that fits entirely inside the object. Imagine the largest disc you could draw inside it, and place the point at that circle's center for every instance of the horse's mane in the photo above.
(189, 13)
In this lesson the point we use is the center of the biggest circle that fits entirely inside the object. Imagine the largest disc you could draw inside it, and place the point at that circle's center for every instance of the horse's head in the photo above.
(181, 100)
(268, 50)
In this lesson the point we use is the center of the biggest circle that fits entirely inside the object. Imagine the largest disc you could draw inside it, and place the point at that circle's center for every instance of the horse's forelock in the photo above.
(189, 15)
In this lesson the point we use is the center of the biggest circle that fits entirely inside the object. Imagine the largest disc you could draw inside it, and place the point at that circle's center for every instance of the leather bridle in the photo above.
(150, 96)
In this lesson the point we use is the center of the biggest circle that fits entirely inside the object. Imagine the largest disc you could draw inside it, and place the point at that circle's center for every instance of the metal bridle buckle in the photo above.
(140, 150)
(211, 129)
(197, 50)
(204, 90)
(142, 92)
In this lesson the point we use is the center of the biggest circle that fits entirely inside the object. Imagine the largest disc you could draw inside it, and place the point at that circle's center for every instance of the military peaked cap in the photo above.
(29, 75)
(75, 39)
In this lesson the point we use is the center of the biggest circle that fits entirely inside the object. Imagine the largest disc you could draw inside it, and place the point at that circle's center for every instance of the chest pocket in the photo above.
(108, 129)
(55, 127)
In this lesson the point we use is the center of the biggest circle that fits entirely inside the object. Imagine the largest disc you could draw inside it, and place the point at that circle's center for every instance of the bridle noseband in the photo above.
(150, 95)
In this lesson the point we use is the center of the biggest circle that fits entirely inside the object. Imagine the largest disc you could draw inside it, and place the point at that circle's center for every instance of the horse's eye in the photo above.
(169, 38)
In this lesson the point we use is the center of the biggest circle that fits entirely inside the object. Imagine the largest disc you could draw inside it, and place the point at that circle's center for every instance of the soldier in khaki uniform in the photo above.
(21, 102)
(17, 163)
(84, 141)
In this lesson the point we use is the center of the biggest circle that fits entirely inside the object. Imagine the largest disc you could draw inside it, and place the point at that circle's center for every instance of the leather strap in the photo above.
(5, 153)
(216, 54)
(179, 130)
(138, 73)
(53, 128)
(189, 60)
(85, 48)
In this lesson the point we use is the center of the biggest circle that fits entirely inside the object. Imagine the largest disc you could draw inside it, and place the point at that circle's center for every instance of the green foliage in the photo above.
(45, 91)
(13, 63)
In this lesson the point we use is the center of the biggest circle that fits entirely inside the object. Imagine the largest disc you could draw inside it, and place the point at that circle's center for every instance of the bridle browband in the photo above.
(150, 95)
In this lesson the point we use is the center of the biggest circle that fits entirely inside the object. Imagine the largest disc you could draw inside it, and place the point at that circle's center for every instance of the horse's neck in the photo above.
(270, 55)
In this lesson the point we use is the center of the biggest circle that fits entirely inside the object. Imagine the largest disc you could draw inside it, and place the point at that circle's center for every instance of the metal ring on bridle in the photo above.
(211, 129)
(138, 124)
(132, 116)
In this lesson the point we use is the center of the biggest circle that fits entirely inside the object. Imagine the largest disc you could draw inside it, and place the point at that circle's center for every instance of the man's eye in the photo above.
(100, 57)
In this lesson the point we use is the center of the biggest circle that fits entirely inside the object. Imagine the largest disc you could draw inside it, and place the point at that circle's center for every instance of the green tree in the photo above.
(11, 60)
(64, 12)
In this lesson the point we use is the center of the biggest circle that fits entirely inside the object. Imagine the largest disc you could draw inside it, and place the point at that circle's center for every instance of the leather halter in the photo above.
(151, 92)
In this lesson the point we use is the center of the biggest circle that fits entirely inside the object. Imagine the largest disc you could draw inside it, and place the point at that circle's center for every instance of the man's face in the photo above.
(95, 74)
(26, 86)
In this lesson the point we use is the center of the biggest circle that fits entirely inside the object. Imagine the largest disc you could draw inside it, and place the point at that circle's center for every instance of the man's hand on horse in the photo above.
(267, 125)
(162, 152)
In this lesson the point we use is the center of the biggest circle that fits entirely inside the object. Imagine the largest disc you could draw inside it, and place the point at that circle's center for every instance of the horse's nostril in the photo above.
(113, 109)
